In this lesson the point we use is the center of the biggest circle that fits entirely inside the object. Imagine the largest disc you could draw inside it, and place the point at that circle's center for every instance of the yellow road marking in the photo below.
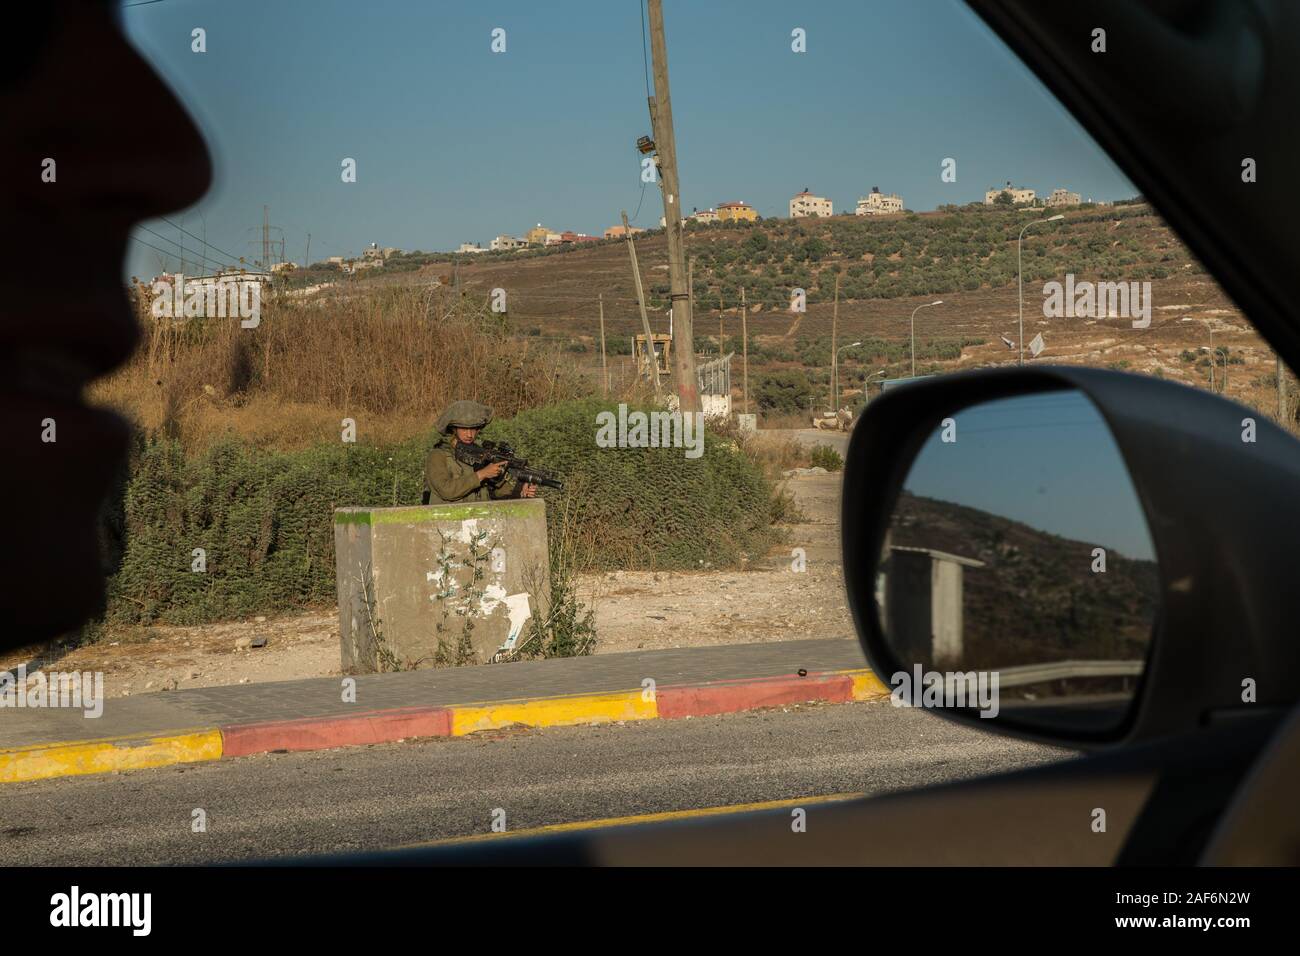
(642, 818)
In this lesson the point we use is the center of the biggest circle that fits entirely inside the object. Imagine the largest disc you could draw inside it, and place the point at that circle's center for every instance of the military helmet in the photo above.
(463, 414)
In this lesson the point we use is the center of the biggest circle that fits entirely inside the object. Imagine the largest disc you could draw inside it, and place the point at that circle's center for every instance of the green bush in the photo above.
(265, 519)
(824, 456)
(783, 392)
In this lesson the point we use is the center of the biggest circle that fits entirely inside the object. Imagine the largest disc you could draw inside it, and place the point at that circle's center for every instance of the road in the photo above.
(416, 791)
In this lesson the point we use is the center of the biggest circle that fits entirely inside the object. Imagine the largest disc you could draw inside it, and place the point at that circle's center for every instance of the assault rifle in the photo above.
(486, 452)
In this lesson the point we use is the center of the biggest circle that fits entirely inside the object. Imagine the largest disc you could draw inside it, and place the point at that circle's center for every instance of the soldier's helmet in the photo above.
(463, 414)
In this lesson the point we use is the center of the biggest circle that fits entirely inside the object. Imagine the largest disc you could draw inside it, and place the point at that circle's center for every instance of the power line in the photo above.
(645, 60)
(154, 248)
(233, 259)
(202, 258)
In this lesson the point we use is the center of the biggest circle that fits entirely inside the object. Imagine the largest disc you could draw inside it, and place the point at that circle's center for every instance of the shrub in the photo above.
(265, 518)
(824, 456)
(783, 392)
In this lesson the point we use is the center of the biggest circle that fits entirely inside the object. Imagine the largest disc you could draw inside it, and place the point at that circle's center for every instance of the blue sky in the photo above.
(1046, 460)
(455, 143)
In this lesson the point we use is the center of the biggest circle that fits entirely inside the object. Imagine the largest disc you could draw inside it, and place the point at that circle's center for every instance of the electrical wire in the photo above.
(233, 259)
(181, 255)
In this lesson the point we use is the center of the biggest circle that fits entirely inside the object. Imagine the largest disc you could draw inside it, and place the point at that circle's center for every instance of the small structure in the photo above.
(805, 204)
(1062, 197)
(619, 232)
(663, 345)
(736, 212)
(876, 203)
(1019, 196)
(715, 386)
(921, 603)
(454, 583)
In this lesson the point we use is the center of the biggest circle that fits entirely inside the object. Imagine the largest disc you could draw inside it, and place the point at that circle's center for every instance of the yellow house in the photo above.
(736, 211)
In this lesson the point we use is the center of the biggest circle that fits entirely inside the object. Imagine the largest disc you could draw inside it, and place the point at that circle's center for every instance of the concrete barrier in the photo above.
(455, 582)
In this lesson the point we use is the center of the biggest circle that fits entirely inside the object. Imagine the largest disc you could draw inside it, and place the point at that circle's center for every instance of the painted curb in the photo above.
(324, 733)
(79, 757)
(75, 758)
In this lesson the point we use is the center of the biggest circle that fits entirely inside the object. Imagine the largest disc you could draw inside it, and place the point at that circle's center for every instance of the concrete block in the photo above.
(747, 424)
(463, 577)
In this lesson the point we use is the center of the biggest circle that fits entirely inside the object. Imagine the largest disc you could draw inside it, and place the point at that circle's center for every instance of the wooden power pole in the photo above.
(653, 356)
(1281, 392)
(661, 119)
(744, 338)
(604, 367)
(721, 341)
(835, 356)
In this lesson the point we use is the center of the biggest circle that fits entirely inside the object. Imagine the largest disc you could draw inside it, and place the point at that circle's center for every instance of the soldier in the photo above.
(447, 480)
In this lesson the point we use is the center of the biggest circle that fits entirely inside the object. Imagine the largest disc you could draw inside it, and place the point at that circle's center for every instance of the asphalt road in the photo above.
(400, 794)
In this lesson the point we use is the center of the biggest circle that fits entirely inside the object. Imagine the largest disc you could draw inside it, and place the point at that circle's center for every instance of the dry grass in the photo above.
(390, 359)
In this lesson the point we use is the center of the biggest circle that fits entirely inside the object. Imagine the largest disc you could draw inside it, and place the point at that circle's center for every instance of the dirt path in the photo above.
(634, 610)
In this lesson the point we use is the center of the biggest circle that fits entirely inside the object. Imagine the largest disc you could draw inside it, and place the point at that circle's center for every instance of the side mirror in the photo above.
(1072, 555)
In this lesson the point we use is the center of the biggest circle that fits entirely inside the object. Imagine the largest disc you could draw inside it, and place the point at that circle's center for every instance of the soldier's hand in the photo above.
(528, 491)
(488, 472)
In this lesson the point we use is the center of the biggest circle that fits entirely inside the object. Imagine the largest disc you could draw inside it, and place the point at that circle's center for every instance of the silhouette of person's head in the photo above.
(93, 143)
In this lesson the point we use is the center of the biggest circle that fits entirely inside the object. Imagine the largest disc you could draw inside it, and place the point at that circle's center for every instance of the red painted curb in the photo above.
(724, 698)
(385, 726)
(323, 733)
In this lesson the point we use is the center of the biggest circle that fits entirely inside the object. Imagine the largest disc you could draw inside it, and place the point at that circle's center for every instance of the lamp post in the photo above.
(1213, 353)
(835, 377)
(1020, 278)
(866, 383)
(924, 305)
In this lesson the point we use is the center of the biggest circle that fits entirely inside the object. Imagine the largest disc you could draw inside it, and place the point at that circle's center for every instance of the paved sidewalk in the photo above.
(212, 723)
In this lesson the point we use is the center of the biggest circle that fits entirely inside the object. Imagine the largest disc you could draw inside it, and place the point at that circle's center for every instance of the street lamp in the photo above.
(1212, 352)
(866, 383)
(835, 376)
(1020, 279)
(924, 305)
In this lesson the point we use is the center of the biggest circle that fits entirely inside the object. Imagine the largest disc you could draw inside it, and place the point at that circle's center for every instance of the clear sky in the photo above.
(1047, 460)
(455, 143)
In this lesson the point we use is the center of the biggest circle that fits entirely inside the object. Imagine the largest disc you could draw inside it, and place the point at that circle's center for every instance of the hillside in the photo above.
(886, 267)
(1036, 598)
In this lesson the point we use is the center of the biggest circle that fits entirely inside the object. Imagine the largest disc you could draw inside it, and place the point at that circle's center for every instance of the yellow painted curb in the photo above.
(867, 686)
(553, 712)
(104, 756)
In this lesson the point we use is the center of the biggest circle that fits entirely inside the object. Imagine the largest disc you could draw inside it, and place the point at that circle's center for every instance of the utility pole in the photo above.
(721, 342)
(690, 287)
(1212, 385)
(604, 368)
(661, 118)
(744, 338)
(1281, 392)
(266, 238)
(640, 301)
(835, 356)
(306, 259)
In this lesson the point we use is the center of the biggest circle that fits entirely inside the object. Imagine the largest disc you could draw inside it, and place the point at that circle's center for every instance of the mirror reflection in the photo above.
(1018, 550)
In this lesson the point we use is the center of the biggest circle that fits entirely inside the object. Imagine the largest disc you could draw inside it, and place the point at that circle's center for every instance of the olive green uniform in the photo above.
(446, 479)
